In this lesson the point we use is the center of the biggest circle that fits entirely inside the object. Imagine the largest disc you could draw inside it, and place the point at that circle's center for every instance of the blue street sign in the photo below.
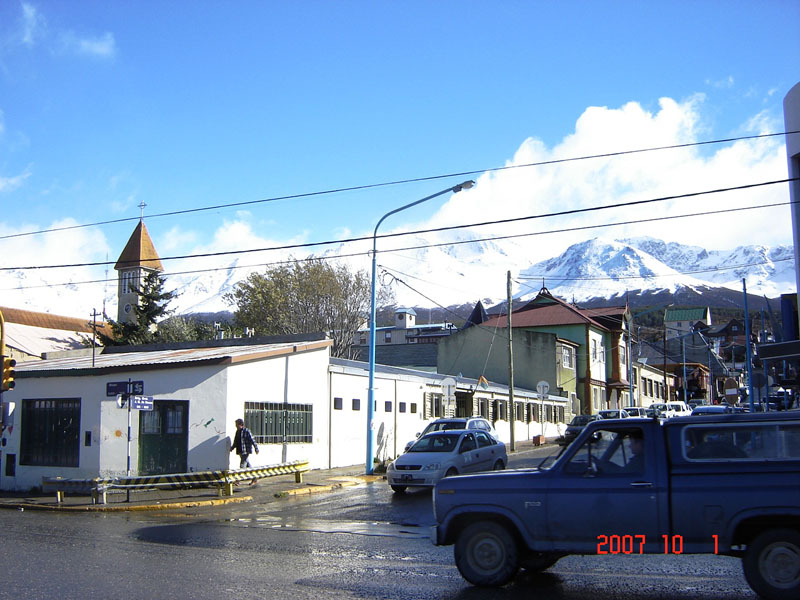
(114, 388)
(142, 402)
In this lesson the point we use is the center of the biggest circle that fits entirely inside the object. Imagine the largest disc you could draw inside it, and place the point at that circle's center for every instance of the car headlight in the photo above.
(431, 467)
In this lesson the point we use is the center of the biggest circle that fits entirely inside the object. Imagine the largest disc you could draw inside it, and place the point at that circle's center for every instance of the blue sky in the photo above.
(180, 105)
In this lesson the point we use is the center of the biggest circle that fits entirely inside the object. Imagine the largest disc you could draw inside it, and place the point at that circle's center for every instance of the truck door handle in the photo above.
(641, 484)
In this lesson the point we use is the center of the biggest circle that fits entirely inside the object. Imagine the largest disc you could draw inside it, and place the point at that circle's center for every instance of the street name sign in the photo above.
(114, 388)
(142, 402)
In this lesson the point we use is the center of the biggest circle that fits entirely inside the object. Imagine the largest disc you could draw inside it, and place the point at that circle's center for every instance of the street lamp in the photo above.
(371, 394)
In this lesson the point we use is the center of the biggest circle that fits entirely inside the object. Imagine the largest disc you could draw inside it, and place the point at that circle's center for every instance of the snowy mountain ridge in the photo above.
(452, 274)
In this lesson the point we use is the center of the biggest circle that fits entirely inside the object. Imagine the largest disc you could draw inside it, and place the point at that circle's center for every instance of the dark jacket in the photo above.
(243, 442)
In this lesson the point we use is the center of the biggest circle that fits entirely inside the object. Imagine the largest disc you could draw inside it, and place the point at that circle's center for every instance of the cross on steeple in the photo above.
(141, 209)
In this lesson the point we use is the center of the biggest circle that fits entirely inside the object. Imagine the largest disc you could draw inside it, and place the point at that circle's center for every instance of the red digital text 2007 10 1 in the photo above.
(634, 544)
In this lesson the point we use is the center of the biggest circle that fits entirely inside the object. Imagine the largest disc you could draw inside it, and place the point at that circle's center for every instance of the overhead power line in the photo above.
(431, 230)
(400, 182)
(452, 243)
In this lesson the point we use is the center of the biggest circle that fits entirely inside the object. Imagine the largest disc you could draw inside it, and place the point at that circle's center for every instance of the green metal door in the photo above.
(164, 438)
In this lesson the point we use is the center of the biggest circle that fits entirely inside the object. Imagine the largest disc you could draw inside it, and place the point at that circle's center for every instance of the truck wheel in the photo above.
(771, 564)
(539, 561)
(486, 554)
(398, 489)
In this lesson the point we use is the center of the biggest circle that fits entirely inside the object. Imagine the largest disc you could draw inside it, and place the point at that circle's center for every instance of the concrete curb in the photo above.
(319, 488)
(125, 507)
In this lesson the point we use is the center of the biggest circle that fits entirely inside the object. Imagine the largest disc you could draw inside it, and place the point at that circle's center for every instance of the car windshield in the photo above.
(435, 443)
(444, 426)
(610, 414)
(581, 420)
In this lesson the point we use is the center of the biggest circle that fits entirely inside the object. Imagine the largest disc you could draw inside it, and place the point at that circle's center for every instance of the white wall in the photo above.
(203, 388)
(216, 395)
(392, 430)
(597, 363)
(295, 378)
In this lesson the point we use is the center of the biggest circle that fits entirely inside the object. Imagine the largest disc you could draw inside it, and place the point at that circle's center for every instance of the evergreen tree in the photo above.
(151, 307)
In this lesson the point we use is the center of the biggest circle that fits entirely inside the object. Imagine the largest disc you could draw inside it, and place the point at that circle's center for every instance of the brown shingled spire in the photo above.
(139, 251)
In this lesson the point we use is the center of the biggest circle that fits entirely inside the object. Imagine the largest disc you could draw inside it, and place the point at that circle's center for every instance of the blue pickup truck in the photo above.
(721, 484)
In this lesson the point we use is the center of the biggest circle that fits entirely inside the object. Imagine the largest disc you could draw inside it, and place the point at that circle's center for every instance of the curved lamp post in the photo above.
(371, 394)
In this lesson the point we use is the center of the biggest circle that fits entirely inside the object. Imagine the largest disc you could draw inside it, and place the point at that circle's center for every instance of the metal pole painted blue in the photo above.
(370, 459)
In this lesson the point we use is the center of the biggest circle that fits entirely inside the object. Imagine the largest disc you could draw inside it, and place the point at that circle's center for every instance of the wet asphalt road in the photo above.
(361, 542)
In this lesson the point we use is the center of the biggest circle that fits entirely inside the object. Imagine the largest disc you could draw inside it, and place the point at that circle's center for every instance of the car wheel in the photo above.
(486, 554)
(771, 564)
(539, 561)
(398, 489)
(451, 471)
(499, 466)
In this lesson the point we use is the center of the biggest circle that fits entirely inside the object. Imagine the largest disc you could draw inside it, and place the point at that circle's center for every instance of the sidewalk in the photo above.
(271, 489)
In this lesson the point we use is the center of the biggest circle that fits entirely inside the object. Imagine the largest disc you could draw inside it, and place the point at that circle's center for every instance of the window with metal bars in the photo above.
(278, 423)
(51, 432)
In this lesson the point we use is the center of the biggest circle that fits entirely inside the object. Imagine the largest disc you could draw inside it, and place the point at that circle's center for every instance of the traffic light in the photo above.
(8, 373)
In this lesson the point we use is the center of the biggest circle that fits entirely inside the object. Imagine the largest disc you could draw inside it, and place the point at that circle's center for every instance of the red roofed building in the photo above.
(592, 341)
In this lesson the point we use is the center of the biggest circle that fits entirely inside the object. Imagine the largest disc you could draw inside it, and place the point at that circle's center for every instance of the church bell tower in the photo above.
(138, 259)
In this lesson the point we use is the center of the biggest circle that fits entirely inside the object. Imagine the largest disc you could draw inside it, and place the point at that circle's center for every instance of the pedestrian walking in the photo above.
(244, 444)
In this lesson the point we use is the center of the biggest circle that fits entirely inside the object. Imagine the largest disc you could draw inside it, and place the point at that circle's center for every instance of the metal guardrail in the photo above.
(224, 480)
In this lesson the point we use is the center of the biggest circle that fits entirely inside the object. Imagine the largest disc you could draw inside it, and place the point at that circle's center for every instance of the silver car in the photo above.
(443, 454)
(456, 423)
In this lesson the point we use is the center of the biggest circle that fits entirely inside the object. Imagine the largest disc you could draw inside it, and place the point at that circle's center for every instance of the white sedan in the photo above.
(444, 453)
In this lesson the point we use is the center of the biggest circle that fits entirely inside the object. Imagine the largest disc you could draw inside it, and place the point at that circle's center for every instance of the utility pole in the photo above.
(749, 350)
(511, 412)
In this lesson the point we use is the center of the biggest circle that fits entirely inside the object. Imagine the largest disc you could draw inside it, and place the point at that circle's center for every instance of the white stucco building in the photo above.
(299, 403)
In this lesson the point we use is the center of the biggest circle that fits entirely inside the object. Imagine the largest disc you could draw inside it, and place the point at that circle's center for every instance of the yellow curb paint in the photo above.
(139, 507)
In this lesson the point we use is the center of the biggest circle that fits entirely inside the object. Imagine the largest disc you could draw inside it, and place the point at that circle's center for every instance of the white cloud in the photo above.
(8, 184)
(175, 239)
(725, 82)
(33, 30)
(44, 289)
(597, 182)
(103, 46)
(32, 24)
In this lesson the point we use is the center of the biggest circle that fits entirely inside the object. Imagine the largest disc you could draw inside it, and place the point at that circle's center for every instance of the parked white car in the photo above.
(443, 454)
(657, 409)
(636, 411)
(677, 409)
(613, 413)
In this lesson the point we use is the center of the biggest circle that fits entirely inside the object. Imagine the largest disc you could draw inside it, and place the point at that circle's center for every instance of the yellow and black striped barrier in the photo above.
(224, 480)
(297, 467)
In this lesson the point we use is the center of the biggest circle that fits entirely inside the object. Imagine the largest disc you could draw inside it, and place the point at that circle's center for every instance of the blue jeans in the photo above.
(244, 461)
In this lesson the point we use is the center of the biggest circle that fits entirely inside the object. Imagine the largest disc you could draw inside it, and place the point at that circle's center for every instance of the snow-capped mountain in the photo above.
(426, 275)
(600, 268)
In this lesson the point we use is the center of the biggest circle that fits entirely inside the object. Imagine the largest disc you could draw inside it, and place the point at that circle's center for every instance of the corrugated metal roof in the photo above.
(685, 314)
(544, 316)
(35, 341)
(45, 320)
(461, 382)
(164, 358)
